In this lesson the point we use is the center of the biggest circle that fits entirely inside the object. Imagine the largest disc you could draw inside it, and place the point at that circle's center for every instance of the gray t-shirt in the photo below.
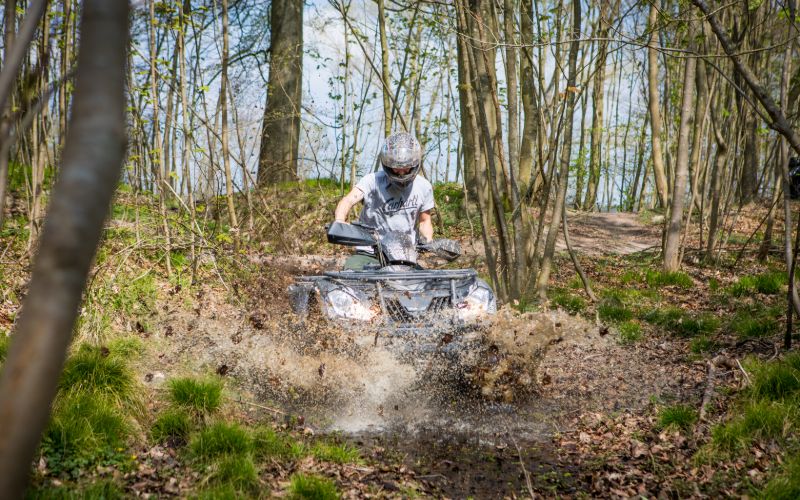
(388, 207)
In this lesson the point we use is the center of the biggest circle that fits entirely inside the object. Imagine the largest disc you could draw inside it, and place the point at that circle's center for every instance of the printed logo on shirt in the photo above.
(397, 204)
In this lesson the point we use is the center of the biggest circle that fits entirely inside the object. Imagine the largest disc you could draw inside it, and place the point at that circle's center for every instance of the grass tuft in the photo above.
(5, 342)
(309, 487)
(613, 310)
(85, 430)
(760, 420)
(236, 471)
(681, 324)
(701, 344)
(786, 485)
(220, 439)
(268, 443)
(658, 279)
(198, 396)
(776, 381)
(99, 490)
(629, 332)
(173, 424)
(337, 453)
(680, 417)
(569, 302)
(747, 326)
(93, 370)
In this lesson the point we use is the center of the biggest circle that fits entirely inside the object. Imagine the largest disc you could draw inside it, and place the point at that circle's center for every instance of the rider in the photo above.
(395, 198)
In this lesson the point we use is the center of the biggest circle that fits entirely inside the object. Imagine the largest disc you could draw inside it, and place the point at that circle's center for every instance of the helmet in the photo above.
(401, 150)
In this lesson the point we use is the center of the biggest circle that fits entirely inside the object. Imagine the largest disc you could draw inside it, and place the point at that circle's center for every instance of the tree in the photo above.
(91, 167)
(280, 132)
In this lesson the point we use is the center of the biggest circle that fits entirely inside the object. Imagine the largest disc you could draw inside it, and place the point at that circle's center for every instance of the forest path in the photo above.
(603, 233)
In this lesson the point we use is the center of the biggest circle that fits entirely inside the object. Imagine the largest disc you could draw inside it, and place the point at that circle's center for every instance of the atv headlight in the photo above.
(343, 305)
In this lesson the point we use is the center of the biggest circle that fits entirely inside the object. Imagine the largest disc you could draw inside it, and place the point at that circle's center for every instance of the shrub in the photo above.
(629, 332)
(172, 424)
(199, 396)
(220, 439)
(677, 417)
(309, 487)
(657, 279)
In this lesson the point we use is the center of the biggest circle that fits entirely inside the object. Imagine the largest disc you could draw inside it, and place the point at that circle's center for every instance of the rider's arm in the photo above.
(426, 225)
(347, 203)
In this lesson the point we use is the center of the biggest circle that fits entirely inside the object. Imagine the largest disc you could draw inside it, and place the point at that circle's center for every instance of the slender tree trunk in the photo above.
(387, 106)
(91, 166)
(673, 233)
(223, 98)
(566, 148)
(655, 110)
(527, 82)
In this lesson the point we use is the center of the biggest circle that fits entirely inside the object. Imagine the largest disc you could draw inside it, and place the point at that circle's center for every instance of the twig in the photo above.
(586, 284)
(746, 375)
(527, 474)
(251, 403)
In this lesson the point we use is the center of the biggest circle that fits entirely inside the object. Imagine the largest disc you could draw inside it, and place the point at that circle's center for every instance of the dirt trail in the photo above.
(609, 233)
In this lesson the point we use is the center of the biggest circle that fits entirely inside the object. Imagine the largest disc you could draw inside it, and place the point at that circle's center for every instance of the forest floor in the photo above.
(640, 394)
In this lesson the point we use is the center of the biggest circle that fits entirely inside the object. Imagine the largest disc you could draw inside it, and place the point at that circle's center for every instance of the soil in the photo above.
(453, 443)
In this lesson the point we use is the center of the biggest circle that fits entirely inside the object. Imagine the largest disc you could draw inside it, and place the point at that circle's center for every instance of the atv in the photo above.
(397, 300)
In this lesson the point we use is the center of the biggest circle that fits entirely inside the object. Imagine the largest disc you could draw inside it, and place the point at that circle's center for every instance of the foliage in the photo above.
(201, 397)
(310, 487)
(220, 439)
(172, 424)
(677, 417)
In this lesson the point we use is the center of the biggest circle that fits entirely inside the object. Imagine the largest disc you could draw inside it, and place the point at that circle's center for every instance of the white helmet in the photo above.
(401, 150)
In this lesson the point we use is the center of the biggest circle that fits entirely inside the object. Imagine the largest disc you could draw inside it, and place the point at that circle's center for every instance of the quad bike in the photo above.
(404, 304)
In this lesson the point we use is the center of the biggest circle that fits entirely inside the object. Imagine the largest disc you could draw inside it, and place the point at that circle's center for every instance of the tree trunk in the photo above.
(92, 163)
(655, 110)
(529, 108)
(673, 232)
(566, 149)
(226, 155)
(387, 106)
(280, 133)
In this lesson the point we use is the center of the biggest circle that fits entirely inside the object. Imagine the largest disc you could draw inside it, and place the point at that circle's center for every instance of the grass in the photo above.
(5, 343)
(235, 471)
(681, 417)
(85, 430)
(201, 397)
(754, 324)
(268, 444)
(776, 381)
(658, 279)
(93, 370)
(99, 490)
(681, 324)
(220, 439)
(310, 487)
(567, 301)
(613, 310)
(786, 485)
(768, 283)
(337, 453)
(629, 332)
(759, 420)
(701, 344)
(172, 424)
